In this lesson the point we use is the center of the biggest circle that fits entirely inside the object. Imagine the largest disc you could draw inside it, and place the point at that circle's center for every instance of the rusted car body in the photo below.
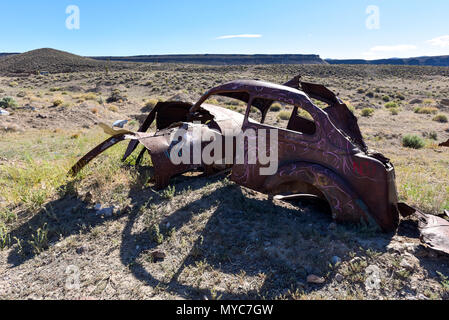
(324, 156)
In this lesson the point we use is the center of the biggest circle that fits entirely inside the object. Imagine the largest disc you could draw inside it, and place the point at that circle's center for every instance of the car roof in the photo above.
(253, 86)
(265, 93)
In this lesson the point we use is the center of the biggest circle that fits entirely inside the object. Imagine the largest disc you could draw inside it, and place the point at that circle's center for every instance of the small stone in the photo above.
(107, 212)
(311, 278)
(335, 260)
(409, 262)
(158, 255)
(28, 107)
(81, 249)
(88, 197)
(404, 264)
(396, 247)
(339, 277)
(415, 101)
(422, 297)
(4, 112)
(356, 260)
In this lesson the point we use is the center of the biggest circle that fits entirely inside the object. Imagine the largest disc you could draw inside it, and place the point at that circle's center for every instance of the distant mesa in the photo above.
(55, 61)
(45, 61)
(438, 61)
(223, 59)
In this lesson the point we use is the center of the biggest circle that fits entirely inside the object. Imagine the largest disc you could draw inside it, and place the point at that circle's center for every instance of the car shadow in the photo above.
(63, 217)
(244, 236)
(59, 219)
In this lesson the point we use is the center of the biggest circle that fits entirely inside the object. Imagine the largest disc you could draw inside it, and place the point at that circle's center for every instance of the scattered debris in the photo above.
(311, 278)
(158, 255)
(119, 123)
(339, 277)
(107, 212)
(407, 263)
(82, 249)
(4, 112)
(434, 232)
(433, 229)
(28, 107)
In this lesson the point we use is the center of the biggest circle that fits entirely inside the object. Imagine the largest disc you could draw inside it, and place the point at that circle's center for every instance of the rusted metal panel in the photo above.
(332, 145)
(95, 152)
(306, 177)
(434, 231)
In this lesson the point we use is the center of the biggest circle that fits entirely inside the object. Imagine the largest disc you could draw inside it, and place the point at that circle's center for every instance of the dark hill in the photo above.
(50, 60)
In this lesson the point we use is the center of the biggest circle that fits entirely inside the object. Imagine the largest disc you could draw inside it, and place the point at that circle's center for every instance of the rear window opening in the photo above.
(285, 116)
(231, 103)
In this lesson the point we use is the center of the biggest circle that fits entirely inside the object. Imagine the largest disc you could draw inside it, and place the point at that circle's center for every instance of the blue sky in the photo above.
(330, 28)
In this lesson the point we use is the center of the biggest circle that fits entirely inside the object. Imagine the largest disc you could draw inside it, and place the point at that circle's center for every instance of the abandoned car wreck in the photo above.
(321, 155)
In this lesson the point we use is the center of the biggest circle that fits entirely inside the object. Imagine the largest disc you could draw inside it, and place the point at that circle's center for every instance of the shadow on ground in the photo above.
(248, 236)
(243, 235)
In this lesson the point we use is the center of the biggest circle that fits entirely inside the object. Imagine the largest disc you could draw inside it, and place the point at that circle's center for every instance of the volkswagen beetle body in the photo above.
(324, 155)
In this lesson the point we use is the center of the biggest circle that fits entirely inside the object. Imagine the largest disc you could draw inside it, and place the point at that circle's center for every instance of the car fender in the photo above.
(345, 203)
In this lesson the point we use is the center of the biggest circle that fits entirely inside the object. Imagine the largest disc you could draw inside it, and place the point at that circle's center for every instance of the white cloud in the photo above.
(384, 52)
(239, 36)
(442, 41)
(396, 48)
